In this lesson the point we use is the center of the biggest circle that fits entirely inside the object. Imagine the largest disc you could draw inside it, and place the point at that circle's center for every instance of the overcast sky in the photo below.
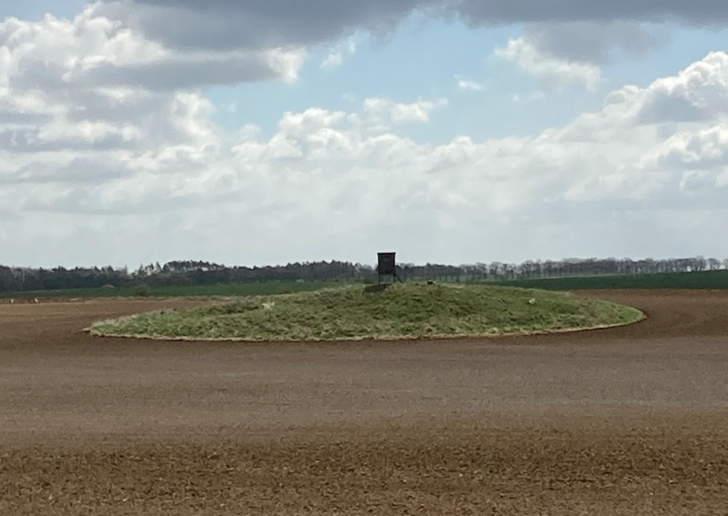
(249, 132)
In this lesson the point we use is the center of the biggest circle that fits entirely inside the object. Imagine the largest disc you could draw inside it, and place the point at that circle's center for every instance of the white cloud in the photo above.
(333, 60)
(92, 51)
(386, 110)
(468, 84)
(554, 71)
(531, 97)
(338, 54)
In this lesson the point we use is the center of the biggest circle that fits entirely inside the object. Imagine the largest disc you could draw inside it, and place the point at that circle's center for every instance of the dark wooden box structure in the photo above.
(387, 266)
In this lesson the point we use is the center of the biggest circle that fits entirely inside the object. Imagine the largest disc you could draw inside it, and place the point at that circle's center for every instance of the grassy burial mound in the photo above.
(402, 311)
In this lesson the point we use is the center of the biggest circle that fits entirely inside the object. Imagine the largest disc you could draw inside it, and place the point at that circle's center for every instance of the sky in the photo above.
(450, 131)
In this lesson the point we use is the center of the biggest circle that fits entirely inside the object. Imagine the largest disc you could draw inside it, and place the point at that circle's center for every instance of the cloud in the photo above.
(382, 109)
(90, 161)
(338, 54)
(697, 94)
(468, 84)
(532, 97)
(554, 72)
(226, 41)
(573, 52)
(251, 24)
(333, 60)
(594, 42)
(480, 12)
(96, 52)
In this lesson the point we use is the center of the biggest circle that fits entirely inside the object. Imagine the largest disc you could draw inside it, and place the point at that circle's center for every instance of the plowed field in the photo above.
(631, 420)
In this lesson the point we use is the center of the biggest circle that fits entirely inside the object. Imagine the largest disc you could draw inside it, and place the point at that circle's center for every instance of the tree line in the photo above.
(189, 273)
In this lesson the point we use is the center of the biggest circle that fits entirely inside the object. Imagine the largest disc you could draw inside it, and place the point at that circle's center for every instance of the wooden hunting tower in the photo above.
(387, 266)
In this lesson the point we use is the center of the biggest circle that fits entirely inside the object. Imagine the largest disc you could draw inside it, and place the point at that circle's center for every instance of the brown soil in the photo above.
(631, 420)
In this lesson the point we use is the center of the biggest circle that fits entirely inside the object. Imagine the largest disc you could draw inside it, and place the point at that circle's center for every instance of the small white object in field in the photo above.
(268, 305)
(12, 301)
(36, 299)
(532, 301)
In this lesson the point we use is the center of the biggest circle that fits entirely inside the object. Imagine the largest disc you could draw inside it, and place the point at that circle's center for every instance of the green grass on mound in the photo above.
(401, 311)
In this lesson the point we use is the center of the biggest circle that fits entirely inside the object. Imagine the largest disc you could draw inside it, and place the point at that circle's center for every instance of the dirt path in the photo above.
(626, 421)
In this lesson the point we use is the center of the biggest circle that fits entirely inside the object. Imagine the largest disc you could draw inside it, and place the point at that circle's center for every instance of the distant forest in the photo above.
(16, 279)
